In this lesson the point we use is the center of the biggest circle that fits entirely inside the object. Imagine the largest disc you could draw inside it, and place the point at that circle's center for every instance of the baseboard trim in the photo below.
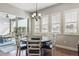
(66, 47)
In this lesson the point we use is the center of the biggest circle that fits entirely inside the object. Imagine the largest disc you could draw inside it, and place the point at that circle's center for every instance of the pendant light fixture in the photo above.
(36, 15)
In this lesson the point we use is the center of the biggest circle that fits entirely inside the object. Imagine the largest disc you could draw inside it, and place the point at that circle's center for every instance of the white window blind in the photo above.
(37, 26)
(56, 19)
(23, 24)
(70, 18)
(45, 23)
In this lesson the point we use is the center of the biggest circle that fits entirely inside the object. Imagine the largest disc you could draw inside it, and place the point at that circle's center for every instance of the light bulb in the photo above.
(34, 14)
(39, 14)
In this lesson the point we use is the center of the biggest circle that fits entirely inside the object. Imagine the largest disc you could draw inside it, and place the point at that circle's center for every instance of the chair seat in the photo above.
(23, 46)
(46, 45)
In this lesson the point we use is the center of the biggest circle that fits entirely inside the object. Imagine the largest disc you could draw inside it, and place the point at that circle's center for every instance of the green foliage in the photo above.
(20, 30)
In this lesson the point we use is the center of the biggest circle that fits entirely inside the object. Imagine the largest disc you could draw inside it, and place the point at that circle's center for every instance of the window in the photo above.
(4, 25)
(70, 18)
(22, 24)
(45, 24)
(56, 23)
(13, 26)
(45, 38)
(37, 26)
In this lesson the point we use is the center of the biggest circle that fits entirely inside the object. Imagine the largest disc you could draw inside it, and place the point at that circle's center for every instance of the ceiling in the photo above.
(30, 7)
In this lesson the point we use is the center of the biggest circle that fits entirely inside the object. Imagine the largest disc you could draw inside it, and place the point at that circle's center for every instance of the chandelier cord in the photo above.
(36, 9)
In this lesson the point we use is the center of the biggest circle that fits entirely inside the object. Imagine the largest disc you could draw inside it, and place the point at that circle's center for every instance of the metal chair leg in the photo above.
(17, 52)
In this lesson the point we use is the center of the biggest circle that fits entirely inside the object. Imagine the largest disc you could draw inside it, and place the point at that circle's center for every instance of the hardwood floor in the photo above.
(64, 52)
(56, 52)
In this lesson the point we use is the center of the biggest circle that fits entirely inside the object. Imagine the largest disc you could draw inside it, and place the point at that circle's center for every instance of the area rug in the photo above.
(8, 48)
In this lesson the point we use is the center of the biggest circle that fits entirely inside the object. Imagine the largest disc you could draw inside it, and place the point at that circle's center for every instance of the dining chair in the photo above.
(21, 46)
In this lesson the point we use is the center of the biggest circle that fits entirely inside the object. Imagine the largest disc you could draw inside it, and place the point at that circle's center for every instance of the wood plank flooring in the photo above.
(56, 52)
(64, 52)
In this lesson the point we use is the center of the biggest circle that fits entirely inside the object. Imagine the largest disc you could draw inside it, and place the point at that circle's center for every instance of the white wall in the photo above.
(65, 41)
